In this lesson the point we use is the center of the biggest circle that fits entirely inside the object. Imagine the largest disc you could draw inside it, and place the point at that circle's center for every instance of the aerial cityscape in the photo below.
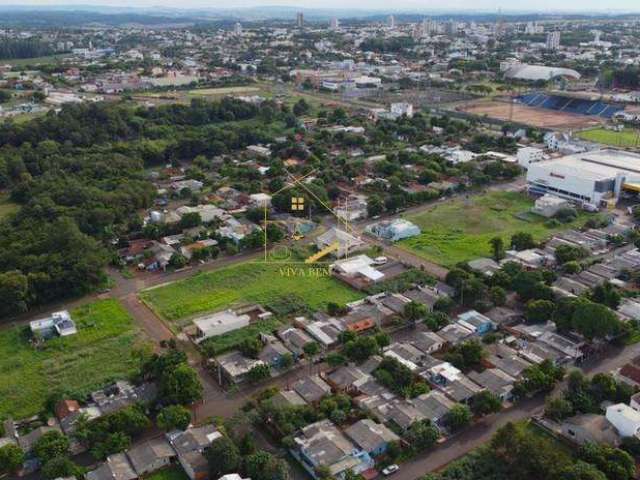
(320, 241)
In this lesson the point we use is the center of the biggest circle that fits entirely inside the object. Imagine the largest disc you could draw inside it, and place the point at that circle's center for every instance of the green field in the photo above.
(249, 282)
(6, 205)
(625, 138)
(99, 353)
(459, 229)
(35, 61)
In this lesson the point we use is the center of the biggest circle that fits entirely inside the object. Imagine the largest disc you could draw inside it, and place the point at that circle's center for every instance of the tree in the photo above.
(258, 372)
(59, 467)
(539, 311)
(581, 471)
(606, 294)
(14, 289)
(422, 435)
(178, 260)
(414, 312)
(497, 248)
(311, 349)
(174, 417)
(301, 107)
(522, 241)
(466, 355)
(11, 458)
(569, 253)
(458, 417)
(264, 466)
(51, 445)
(181, 385)
(375, 206)
(558, 409)
(594, 320)
(335, 359)
(360, 349)
(498, 295)
(223, 457)
(485, 403)
(4, 96)
(616, 464)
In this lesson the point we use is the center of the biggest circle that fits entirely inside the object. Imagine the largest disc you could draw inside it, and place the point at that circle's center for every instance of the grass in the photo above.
(224, 343)
(459, 229)
(7, 206)
(243, 90)
(21, 62)
(625, 138)
(171, 473)
(99, 353)
(249, 282)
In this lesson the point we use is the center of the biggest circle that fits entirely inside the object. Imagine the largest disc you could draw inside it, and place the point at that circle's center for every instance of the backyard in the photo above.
(625, 138)
(250, 282)
(459, 229)
(100, 352)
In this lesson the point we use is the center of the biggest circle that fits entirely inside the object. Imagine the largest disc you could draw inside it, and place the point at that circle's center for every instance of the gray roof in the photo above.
(425, 341)
(369, 435)
(494, 380)
(423, 296)
(462, 389)
(312, 388)
(433, 405)
(144, 455)
(287, 398)
(193, 439)
(117, 467)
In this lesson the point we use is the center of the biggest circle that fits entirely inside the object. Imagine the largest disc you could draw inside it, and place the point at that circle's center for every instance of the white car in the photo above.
(380, 260)
(390, 470)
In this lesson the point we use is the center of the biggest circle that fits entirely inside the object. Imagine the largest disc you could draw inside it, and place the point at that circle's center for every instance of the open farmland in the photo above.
(100, 352)
(249, 282)
(460, 229)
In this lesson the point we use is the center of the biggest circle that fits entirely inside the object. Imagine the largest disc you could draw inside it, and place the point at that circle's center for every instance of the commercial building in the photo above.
(595, 177)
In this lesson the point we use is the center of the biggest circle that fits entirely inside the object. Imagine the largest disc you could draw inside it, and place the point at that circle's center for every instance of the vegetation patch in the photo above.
(460, 229)
(99, 353)
(249, 282)
(624, 138)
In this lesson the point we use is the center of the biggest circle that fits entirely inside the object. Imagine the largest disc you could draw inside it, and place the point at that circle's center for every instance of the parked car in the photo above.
(380, 260)
(390, 470)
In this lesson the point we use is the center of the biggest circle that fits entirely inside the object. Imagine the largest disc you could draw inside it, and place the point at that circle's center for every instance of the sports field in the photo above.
(625, 138)
(250, 282)
(100, 352)
(459, 229)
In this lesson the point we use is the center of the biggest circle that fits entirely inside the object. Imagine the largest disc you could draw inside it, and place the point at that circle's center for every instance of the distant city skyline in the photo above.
(375, 6)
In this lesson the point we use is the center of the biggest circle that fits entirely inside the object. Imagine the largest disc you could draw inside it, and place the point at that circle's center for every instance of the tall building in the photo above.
(237, 28)
(334, 24)
(553, 40)
(392, 21)
(429, 26)
(300, 19)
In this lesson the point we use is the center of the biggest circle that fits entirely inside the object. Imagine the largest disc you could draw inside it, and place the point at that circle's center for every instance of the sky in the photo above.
(542, 6)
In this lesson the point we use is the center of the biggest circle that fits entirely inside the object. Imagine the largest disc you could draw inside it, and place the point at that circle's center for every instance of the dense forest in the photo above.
(13, 48)
(78, 176)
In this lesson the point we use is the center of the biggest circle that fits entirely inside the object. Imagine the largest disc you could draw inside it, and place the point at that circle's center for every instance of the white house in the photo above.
(218, 323)
(528, 155)
(625, 419)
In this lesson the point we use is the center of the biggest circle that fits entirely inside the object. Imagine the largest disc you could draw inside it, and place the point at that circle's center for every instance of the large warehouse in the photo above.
(595, 178)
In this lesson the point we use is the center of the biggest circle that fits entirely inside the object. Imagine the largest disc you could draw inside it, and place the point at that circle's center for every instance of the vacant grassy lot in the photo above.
(99, 353)
(625, 138)
(460, 229)
(243, 283)
(223, 343)
(242, 90)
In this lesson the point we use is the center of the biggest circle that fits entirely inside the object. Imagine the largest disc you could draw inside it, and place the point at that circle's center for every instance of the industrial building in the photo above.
(595, 178)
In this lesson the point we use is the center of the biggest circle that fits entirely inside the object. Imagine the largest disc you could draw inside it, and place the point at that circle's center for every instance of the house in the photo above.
(405, 353)
(218, 323)
(434, 406)
(589, 428)
(346, 379)
(357, 271)
(428, 342)
(399, 412)
(191, 185)
(190, 446)
(625, 419)
(454, 333)
(58, 324)
(423, 295)
(484, 266)
(233, 367)
(274, 352)
(232, 476)
(346, 242)
(326, 332)
(371, 437)
(312, 388)
(475, 322)
(462, 390)
(151, 455)
(496, 381)
(295, 340)
(506, 359)
(321, 444)
(287, 398)
(394, 230)
(121, 394)
(116, 467)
